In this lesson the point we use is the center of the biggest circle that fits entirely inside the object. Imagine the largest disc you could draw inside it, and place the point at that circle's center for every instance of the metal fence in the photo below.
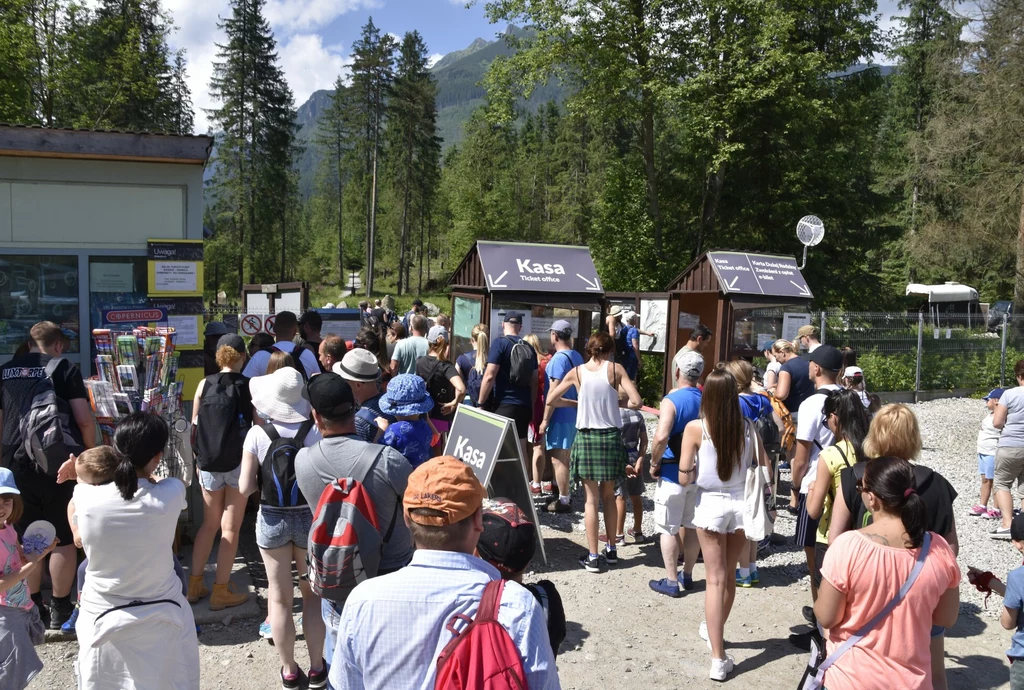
(920, 352)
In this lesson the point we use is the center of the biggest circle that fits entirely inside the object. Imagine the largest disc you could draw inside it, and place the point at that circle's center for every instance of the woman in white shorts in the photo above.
(723, 446)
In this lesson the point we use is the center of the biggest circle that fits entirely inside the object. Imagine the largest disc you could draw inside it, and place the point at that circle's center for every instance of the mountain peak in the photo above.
(453, 57)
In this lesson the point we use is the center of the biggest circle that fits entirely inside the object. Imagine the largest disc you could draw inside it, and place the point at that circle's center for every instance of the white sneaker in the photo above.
(721, 668)
(703, 632)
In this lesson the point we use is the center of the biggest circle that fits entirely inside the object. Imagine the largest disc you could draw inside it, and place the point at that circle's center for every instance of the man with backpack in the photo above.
(286, 327)
(559, 425)
(42, 391)
(448, 617)
(382, 474)
(310, 324)
(512, 375)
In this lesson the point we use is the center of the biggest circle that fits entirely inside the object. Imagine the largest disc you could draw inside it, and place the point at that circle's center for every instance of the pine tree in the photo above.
(412, 130)
(372, 76)
(334, 142)
(182, 116)
(254, 165)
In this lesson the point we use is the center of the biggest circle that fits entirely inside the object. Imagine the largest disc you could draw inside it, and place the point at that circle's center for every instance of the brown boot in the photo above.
(225, 596)
(197, 589)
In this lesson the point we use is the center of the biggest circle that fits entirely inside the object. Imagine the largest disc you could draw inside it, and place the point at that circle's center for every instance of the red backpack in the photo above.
(482, 656)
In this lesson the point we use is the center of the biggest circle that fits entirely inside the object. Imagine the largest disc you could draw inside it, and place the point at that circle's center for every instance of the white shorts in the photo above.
(673, 507)
(719, 512)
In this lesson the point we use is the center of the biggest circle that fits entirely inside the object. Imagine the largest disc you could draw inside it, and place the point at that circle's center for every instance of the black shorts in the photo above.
(45, 499)
(819, 560)
(806, 528)
(519, 414)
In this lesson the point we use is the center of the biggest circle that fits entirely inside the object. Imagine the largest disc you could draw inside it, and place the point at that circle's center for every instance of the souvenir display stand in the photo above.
(137, 370)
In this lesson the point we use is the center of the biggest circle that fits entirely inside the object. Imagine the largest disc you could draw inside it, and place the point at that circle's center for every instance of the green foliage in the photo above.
(650, 381)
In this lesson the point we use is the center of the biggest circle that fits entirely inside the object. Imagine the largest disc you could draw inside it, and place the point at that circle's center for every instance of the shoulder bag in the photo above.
(758, 509)
(814, 676)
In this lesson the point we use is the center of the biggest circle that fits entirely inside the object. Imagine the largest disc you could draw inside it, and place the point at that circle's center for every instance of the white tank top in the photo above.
(598, 405)
(707, 463)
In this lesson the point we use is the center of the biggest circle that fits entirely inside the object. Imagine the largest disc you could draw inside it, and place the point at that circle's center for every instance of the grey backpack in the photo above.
(44, 425)
(345, 542)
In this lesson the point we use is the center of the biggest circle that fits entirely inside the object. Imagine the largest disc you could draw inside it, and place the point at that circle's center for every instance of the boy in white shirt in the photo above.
(988, 439)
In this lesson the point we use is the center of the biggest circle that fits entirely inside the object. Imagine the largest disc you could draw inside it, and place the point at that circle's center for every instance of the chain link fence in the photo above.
(919, 352)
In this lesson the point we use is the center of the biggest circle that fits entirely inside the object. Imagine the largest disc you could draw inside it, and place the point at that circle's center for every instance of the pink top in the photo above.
(10, 560)
(896, 653)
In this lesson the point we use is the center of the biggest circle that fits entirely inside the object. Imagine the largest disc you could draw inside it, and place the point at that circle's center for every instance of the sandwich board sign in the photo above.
(487, 442)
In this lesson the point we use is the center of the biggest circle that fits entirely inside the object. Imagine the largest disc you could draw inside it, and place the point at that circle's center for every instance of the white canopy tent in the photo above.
(948, 298)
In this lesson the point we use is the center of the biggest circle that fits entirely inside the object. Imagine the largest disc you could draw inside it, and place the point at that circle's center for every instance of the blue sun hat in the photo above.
(7, 485)
(406, 396)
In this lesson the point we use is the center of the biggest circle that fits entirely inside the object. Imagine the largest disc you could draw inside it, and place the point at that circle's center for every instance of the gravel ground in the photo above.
(621, 633)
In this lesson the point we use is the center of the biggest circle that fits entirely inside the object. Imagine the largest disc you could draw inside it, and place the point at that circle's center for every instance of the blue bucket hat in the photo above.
(406, 396)
(996, 394)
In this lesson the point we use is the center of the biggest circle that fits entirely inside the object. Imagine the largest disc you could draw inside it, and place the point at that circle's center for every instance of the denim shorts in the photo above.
(560, 436)
(987, 466)
(277, 527)
(215, 481)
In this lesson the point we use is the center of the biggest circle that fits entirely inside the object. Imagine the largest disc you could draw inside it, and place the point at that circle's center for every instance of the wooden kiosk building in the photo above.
(545, 282)
(747, 300)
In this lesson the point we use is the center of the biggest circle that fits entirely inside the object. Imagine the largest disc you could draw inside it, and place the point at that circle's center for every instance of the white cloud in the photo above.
(302, 15)
(434, 59)
(309, 65)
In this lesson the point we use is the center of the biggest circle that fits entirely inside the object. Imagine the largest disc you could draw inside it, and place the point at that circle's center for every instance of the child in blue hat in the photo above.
(408, 402)
(988, 439)
(19, 617)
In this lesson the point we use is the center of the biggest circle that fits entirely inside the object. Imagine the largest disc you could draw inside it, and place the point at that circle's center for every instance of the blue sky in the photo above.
(315, 36)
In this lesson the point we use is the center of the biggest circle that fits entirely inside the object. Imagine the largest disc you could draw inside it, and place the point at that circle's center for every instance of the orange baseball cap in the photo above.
(445, 484)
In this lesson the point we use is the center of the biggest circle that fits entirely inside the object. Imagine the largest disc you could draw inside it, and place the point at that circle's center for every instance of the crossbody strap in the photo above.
(884, 613)
(51, 366)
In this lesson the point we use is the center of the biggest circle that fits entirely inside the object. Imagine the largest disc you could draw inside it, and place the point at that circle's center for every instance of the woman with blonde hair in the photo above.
(895, 432)
(473, 364)
(777, 355)
(279, 360)
(223, 503)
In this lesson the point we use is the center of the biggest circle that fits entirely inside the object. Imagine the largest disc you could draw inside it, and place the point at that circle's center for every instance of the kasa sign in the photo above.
(538, 268)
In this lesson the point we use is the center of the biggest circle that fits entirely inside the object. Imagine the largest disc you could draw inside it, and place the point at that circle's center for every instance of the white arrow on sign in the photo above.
(596, 285)
(802, 288)
(732, 285)
(497, 283)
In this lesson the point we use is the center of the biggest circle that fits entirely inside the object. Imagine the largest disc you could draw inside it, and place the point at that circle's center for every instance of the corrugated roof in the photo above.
(102, 131)
(33, 141)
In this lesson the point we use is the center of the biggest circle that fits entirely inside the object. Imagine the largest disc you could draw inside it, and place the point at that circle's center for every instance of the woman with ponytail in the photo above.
(133, 613)
(866, 568)
(894, 432)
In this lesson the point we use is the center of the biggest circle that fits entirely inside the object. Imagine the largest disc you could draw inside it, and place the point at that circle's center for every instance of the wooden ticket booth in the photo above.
(748, 301)
(545, 282)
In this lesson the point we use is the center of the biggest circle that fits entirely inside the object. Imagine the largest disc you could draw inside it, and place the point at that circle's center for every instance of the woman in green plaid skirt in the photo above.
(598, 457)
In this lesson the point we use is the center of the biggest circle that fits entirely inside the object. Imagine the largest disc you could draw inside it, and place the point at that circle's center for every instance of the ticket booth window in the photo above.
(37, 288)
(466, 314)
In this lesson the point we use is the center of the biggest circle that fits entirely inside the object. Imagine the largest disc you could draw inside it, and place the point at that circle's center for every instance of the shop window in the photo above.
(115, 282)
(37, 288)
(465, 317)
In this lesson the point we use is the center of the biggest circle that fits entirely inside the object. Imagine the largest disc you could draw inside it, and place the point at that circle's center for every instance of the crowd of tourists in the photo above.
(411, 577)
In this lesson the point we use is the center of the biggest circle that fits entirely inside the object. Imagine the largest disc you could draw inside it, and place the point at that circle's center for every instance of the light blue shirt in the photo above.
(393, 627)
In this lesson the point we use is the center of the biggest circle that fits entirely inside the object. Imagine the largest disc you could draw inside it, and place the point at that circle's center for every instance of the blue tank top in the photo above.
(687, 404)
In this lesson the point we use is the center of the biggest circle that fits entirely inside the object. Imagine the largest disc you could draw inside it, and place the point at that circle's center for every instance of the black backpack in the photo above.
(473, 381)
(278, 485)
(522, 364)
(44, 425)
(221, 424)
(296, 354)
(438, 386)
(622, 346)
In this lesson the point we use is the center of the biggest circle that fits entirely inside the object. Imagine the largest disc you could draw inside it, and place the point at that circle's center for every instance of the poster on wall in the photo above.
(110, 277)
(541, 326)
(687, 322)
(654, 319)
(175, 268)
(185, 315)
(498, 318)
(791, 323)
(467, 315)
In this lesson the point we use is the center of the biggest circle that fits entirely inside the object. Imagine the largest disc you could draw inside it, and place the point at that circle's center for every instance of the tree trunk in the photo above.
(373, 222)
(713, 185)
(341, 236)
(284, 234)
(1018, 284)
(422, 218)
(653, 207)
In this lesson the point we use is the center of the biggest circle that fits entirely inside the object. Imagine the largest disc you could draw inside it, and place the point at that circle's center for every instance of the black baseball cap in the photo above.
(514, 317)
(312, 318)
(330, 395)
(232, 340)
(417, 302)
(827, 357)
(509, 538)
